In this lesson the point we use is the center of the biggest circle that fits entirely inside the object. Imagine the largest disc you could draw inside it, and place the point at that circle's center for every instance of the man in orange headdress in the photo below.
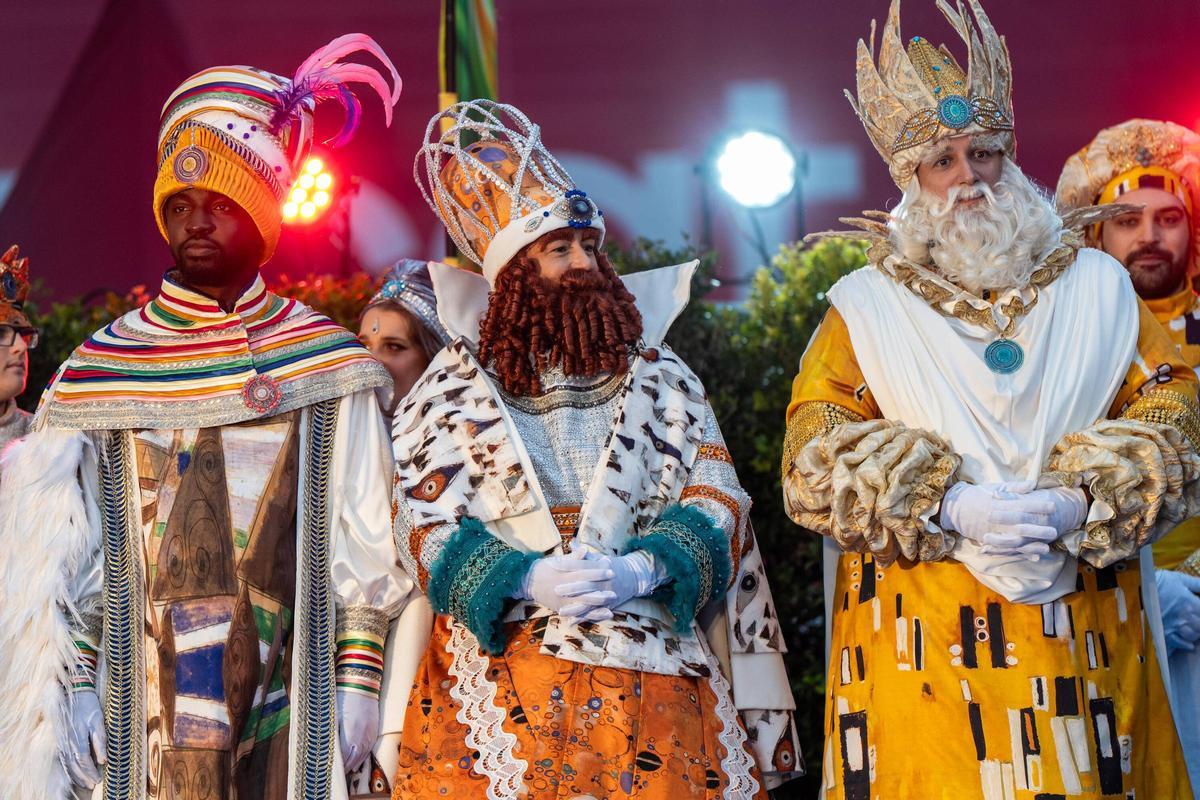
(198, 608)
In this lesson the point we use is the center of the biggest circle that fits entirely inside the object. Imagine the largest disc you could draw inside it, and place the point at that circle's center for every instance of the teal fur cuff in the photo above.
(695, 554)
(472, 579)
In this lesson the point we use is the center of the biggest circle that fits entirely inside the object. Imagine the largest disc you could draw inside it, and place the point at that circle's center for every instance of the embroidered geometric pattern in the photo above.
(695, 554)
(473, 578)
(123, 623)
(1165, 407)
(182, 362)
(714, 452)
(809, 421)
(314, 680)
(717, 496)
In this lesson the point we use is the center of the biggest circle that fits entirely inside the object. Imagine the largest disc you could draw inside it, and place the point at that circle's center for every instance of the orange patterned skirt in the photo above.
(531, 725)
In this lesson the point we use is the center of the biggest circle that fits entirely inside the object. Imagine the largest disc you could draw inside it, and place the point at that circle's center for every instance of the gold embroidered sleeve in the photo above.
(869, 483)
(1159, 366)
(1164, 406)
(809, 421)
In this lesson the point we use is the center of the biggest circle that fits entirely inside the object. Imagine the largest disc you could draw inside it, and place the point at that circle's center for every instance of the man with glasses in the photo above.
(17, 338)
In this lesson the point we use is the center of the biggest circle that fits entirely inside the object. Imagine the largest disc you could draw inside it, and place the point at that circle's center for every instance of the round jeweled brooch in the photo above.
(1004, 356)
(954, 111)
(190, 164)
(580, 209)
(261, 394)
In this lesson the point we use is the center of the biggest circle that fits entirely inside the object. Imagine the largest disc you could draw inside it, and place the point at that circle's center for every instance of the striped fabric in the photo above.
(359, 662)
(82, 676)
(181, 361)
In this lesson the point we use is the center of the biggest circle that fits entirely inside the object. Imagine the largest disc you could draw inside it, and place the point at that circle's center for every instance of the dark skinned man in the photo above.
(204, 523)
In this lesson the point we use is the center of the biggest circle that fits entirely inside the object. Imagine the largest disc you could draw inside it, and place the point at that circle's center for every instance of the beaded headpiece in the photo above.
(408, 284)
(914, 98)
(245, 132)
(1137, 154)
(494, 185)
(14, 288)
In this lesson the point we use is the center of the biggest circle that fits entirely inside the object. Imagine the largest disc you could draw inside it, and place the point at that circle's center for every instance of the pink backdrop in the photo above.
(632, 93)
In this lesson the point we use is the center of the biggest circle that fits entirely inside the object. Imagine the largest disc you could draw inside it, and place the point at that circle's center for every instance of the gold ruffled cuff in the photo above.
(809, 421)
(1142, 478)
(873, 486)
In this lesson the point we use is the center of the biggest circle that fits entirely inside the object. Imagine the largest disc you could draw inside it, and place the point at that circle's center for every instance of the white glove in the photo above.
(636, 574)
(1004, 521)
(1068, 514)
(1180, 608)
(88, 743)
(358, 727)
(570, 586)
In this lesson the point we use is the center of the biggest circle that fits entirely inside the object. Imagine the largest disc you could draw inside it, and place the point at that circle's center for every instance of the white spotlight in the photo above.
(757, 169)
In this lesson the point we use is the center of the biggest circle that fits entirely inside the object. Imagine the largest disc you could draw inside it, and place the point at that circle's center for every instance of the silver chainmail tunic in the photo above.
(566, 429)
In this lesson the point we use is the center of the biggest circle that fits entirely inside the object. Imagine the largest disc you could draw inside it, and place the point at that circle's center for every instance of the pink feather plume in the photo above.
(323, 76)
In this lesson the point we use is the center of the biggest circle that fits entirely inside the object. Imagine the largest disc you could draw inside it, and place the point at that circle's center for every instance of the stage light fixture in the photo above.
(311, 195)
(756, 169)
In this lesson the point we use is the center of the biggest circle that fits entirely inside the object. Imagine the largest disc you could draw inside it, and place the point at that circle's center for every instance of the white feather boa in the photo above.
(45, 533)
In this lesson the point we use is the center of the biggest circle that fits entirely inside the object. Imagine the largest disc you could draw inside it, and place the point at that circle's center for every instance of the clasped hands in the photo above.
(588, 587)
(1013, 518)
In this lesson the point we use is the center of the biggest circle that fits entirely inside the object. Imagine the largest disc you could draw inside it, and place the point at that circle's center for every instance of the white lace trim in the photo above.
(476, 696)
(738, 765)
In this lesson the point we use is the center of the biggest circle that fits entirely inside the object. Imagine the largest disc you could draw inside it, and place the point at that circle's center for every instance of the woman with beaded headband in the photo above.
(199, 607)
(401, 328)
(565, 498)
(994, 630)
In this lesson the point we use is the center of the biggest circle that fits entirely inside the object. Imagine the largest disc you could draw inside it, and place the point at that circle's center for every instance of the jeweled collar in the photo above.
(180, 309)
(999, 312)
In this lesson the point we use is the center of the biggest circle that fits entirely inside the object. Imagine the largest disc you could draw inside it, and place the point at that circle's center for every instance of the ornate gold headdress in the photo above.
(914, 98)
(1136, 154)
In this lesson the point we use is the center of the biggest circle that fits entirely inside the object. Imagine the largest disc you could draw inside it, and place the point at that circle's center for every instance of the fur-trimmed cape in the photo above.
(45, 531)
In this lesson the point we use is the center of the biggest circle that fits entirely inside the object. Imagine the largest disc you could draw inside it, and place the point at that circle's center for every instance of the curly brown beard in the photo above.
(587, 323)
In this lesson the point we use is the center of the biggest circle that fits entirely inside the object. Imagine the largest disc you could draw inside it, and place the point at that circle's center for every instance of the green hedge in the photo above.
(746, 355)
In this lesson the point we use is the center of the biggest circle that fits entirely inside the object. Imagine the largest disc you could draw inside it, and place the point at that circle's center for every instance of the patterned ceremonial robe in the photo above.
(1180, 315)
(512, 700)
(955, 673)
(1180, 549)
(226, 476)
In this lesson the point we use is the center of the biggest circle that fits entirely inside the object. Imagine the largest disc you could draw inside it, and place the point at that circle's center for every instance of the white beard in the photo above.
(996, 244)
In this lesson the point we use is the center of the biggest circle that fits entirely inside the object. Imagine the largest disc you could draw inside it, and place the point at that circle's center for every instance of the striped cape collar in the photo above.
(182, 310)
(183, 362)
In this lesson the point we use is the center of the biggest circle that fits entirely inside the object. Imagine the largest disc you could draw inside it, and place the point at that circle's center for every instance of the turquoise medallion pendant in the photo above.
(1004, 356)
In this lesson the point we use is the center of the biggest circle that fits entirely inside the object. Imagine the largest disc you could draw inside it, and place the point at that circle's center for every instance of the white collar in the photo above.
(660, 294)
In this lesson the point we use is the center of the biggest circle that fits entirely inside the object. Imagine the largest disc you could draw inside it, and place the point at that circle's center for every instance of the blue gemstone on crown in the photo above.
(954, 111)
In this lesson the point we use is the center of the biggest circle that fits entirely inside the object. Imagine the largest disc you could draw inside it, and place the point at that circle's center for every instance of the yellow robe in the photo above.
(939, 687)
(1180, 315)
